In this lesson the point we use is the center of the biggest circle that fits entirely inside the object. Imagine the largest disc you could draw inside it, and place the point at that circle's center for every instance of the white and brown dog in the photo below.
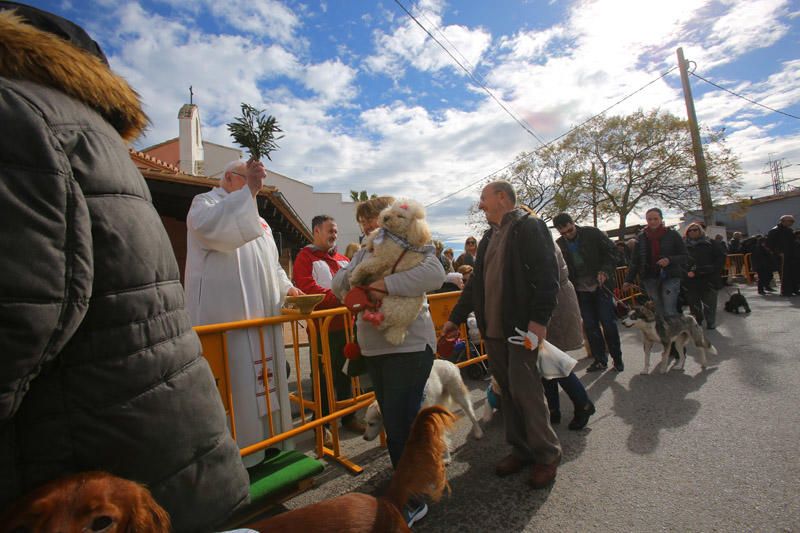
(674, 330)
(396, 246)
(444, 387)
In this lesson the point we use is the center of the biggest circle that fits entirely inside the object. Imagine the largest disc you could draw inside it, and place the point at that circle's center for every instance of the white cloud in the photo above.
(409, 45)
(261, 17)
(553, 77)
(332, 80)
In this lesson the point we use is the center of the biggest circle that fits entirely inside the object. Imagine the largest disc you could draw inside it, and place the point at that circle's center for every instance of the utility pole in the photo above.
(594, 195)
(776, 171)
(697, 145)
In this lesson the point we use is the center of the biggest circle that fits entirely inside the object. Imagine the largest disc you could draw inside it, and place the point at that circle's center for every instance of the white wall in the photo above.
(217, 157)
(308, 204)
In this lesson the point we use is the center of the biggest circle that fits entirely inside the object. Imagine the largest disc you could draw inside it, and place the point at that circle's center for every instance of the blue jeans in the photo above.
(597, 309)
(664, 294)
(571, 385)
(399, 381)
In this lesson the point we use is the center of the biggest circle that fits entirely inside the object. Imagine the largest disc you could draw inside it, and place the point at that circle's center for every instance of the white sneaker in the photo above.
(414, 512)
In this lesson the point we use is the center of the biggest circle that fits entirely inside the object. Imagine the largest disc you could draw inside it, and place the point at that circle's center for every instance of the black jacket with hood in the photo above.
(530, 278)
(99, 366)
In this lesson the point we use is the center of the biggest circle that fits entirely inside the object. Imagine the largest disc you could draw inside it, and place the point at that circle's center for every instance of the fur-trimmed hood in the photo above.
(27, 53)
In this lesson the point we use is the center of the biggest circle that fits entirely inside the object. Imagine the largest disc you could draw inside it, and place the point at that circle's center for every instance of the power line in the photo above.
(544, 145)
(454, 47)
(475, 80)
(744, 97)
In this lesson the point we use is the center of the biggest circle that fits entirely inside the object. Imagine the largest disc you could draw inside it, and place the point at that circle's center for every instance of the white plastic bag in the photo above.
(552, 362)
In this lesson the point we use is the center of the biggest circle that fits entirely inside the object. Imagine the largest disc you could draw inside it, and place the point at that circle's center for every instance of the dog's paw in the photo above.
(477, 432)
(663, 369)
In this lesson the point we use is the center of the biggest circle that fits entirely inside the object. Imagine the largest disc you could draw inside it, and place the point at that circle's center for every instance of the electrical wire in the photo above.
(544, 145)
(744, 97)
(527, 127)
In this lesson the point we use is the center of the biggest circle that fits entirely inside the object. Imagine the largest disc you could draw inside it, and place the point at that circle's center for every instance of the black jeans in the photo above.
(399, 380)
(597, 309)
(571, 385)
(341, 382)
(764, 278)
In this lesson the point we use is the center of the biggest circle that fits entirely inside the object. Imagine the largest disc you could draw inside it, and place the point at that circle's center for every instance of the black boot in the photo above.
(581, 417)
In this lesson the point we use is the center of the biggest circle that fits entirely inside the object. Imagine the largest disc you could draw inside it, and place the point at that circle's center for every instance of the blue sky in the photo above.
(369, 101)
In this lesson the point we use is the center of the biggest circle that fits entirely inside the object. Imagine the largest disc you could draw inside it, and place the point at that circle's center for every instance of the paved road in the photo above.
(713, 450)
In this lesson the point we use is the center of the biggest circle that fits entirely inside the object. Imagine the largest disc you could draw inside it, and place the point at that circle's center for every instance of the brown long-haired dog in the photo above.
(421, 471)
(87, 502)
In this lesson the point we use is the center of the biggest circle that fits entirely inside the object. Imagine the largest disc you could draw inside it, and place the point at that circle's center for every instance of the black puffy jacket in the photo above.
(99, 367)
(671, 246)
(706, 260)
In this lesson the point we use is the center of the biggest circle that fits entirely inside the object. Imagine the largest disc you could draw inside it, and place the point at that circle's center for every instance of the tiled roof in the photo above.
(148, 162)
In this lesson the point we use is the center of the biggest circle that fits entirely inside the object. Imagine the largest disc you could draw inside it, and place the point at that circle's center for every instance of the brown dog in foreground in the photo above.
(87, 502)
(421, 471)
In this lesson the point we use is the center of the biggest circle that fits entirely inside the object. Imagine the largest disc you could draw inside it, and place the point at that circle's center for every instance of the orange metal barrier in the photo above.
(214, 341)
(738, 265)
(630, 294)
(215, 349)
(440, 307)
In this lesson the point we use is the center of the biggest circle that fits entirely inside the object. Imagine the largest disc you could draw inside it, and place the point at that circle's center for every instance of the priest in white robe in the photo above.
(233, 273)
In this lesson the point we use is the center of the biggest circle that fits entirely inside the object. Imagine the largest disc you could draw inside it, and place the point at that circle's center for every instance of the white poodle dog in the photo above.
(395, 246)
(444, 387)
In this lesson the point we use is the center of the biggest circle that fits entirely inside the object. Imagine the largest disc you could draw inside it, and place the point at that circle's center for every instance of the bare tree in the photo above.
(542, 186)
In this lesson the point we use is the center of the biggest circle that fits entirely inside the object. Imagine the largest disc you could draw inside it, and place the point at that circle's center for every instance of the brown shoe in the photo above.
(542, 475)
(354, 426)
(510, 464)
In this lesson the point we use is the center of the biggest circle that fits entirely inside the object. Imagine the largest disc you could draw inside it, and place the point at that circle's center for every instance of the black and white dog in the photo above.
(677, 330)
(736, 301)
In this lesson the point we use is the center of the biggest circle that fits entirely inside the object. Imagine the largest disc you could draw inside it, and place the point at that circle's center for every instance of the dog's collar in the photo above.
(383, 232)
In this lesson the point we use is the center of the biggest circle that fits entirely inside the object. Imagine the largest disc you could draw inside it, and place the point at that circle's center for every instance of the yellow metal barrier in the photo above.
(440, 307)
(738, 265)
(629, 294)
(214, 341)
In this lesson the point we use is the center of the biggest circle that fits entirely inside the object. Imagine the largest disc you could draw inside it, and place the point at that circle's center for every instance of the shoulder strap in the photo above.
(402, 254)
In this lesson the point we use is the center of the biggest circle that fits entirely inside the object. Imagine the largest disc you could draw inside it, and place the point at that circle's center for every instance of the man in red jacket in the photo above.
(314, 268)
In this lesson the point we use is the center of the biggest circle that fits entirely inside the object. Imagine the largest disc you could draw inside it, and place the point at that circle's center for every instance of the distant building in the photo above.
(197, 157)
(752, 216)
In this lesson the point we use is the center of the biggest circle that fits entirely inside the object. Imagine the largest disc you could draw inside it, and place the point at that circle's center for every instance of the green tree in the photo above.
(361, 196)
(640, 160)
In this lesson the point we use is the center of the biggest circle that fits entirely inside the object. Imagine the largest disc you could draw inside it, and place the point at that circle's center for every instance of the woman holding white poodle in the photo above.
(398, 372)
